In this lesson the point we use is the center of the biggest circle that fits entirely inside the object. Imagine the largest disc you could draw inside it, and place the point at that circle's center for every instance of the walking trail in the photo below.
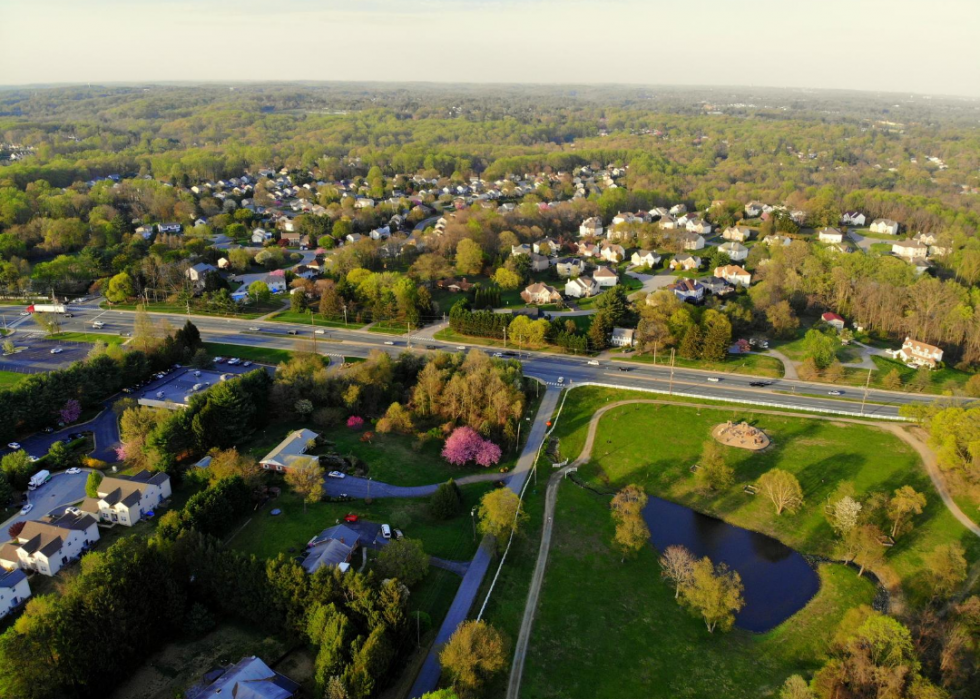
(911, 437)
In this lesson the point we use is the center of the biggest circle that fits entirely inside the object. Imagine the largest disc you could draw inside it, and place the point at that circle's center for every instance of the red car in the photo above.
(350, 518)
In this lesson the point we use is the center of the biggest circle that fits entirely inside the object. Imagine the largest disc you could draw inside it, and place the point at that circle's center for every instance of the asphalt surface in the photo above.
(62, 490)
(34, 353)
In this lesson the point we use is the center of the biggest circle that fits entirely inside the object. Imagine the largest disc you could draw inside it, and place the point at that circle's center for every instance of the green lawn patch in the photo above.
(250, 312)
(941, 381)
(11, 378)
(88, 337)
(611, 629)
(263, 355)
(820, 453)
(319, 320)
(750, 364)
(389, 327)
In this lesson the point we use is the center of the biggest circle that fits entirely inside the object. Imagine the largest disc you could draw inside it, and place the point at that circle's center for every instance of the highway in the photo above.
(556, 369)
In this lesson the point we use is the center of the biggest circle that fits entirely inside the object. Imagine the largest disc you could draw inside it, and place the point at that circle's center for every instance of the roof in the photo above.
(920, 347)
(331, 547)
(539, 287)
(125, 490)
(730, 270)
(732, 245)
(626, 333)
(604, 272)
(827, 317)
(12, 578)
(685, 285)
(250, 678)
(292, 447)
(46, 538)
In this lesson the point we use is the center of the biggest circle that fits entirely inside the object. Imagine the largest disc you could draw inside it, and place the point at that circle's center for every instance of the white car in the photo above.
(336, 474)
(32, 458)
(561, 379)
(835, 393)
(26, 508)
(13, 445)
(319, 331)
(73, 470)
(389, 342)
(386, 531)
(593, 362)
(461, 347)
(713, 379)
(57, 350)
(218, 360)
(247, 364)
(72, 511)
(234, 360)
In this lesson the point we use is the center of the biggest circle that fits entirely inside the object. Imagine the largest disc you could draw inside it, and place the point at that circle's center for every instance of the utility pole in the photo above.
(505, 341)
(345, 315)
(670, 388)
(409, 334)
(864, 398)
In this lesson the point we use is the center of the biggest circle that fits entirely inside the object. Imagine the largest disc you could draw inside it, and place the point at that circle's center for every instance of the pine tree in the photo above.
(691, 344)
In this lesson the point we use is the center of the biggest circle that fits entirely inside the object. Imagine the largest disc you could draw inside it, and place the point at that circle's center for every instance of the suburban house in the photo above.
(884, 225)
(737, 234)
(685, 262)
(260, 235)
(382, 233)
(549, 246)
(611, 252)
(290, 449)
(170, 227)
(126, 499)
(590, 226)
(834, 320)
(852, 218)
(539, 263)
(292, 238)
(605, 277)
(539, 294)
(249, 678)
(830, 235)
(777, 240)
(622, 337)
(455, 286)
(587, 249)
(678, 210)
(687, 290)
(645, 258)
(733, 274)
(570, 266)
(331, 547)
(917, 353)
(910, 249)
(14, 589)
(735, 251)
(48, 546)
(198, 272)
(581, 287)
(691, 241)
(276, 281)
(716, 285)
(753, 209)
(667, 222)
(699, 226)
(933, 242)
(523, 249)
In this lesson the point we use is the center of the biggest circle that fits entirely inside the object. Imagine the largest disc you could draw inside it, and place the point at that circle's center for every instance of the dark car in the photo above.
(626, 368)
(69, 315)
(759, 383)
(48, 429)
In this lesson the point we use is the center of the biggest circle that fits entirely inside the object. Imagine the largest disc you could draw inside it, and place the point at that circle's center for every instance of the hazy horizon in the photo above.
(863, 45)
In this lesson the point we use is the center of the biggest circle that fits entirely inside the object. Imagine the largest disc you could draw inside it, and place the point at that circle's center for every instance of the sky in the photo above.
(914, 46)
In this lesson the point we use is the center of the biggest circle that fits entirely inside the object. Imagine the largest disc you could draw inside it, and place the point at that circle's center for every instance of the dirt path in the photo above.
(913, 439)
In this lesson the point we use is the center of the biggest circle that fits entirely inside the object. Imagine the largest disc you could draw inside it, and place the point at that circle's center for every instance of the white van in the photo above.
(386, 531)
(593, 362)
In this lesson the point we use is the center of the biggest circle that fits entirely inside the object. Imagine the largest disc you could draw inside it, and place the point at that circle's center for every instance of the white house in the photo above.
(581, 287)
(260, 235)
(291, 448)
(523, 249)
(686, 262)
(698, 225)
(777, 240)
(919, 353)
(590, 226)
(14, 590)
(605, 277)
(611, 252)
(276, 281)
(539, 293)
(735, 251)
(691, 241)
(49, 546)
(733, 274)
(382, 233)
(910, 249)
(198, 272)
(852, 218)
(645, 258)
(737, 234)
(622, 337)
(753, 209)
(884, 225)
(570, 266)
(127, 499)
(539, 263)
(547, 245)
(830, 235)
(678, 210)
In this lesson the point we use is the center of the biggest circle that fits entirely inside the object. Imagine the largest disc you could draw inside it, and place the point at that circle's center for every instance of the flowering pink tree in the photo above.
(355, 422)
(465, 445)
(121, 453)
(71, 412)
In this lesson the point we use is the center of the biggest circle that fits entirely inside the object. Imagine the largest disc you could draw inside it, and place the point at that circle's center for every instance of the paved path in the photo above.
(360, 488)
(428, 677)
(458, 567)
(789, 367)
(911, 437)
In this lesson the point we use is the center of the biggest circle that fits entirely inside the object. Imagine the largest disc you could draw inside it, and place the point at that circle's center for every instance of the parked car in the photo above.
(32, 458)
(336, 474)
(399, 535)
(73, 470)
(386, 531)
(247, 364)
(218, 360)
(72, 511)
(48, 429)
(561, 379)
(57, 350)
(26, 508)
(13, 445)
(351, 517)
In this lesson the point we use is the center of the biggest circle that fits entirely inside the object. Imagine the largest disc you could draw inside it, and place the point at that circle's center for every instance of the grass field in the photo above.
(389, 327)
(942, 381)
(267, 536)
(251, 311)
(820, 453)
(751, 364)
(264, 355)
(89, 337)
(319, 320)
(11, 378)
(609, 629)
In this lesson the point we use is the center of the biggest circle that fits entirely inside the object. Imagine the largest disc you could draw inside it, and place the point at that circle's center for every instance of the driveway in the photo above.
(652, 282)
(360, 488)
(62, 490)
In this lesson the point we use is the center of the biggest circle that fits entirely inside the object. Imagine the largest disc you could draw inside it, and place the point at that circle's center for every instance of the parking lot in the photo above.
(174, 389)
(34, 355)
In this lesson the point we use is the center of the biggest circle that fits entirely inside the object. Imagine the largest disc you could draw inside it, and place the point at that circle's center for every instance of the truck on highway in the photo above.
(39, 479)
(46, 308)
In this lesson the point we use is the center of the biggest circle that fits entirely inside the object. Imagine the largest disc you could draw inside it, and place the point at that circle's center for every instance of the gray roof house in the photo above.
(249, 678)
(291, 448)
(331, 547)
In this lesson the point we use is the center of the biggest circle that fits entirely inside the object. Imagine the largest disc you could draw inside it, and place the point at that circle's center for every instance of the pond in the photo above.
(778, 581)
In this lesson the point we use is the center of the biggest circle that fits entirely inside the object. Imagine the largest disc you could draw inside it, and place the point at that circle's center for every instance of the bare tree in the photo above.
(677, 566)
(782, 488)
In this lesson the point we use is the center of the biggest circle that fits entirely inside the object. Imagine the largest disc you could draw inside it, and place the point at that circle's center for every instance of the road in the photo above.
(780, 393)
(358, 488)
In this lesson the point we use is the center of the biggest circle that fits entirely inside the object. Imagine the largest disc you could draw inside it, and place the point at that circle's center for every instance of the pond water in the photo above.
(778, 581)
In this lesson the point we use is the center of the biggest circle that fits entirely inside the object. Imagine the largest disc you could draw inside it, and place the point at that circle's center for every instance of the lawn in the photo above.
(389, 327)
(941, 381)
(89, 337)
(448, 335)
(263, 355)
(251, 311)
(319, 320)
(267, 536)
(11, 378)
(609, 629)
(751, 364)
(820, 453)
